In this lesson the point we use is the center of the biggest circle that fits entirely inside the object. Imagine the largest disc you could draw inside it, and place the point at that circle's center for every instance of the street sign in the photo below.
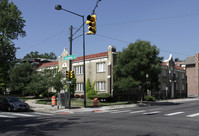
(68, 82)
(70, 57)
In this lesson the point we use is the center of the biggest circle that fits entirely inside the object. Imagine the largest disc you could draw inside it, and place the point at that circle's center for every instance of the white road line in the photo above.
(4, 116)
(172, 114)
(120, 111)
(39, 113)
(193, 115)
(20, 114)
(137, 111)
(151, 113)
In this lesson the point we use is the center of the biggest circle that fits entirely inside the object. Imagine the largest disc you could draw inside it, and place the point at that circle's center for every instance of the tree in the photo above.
(90, 91)
(57, 82)
(137, 66)
(20, 77)
(40, 83)
(37, 55)
(11, 27)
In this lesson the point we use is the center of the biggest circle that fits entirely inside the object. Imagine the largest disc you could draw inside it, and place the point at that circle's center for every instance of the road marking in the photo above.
(152, 113)
(172, 114)
(193, 115)
(120, 111)
(4, 116)
(39, 113)
(20, 114)
(137, 111)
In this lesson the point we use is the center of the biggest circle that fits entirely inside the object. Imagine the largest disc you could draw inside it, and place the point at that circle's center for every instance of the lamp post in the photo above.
(59, 7)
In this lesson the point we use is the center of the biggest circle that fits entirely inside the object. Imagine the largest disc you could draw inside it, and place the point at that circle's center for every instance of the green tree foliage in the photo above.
(58, 84)
(90, 91)
(138, 65)
(40, 83)
(37, 55)
(20, 77)
(11, 27)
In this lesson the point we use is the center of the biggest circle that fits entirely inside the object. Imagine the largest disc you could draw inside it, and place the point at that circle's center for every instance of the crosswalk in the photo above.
(22, 115)
(187, 114)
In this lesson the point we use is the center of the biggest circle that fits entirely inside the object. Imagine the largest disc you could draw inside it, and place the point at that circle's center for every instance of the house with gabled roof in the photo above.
(173, 80)
(99, 69)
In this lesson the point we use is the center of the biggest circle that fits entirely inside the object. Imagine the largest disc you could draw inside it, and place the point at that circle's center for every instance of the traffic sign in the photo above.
(70, 57)
(68, 82)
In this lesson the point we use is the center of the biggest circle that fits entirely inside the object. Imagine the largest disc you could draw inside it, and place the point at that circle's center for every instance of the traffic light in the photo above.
(71, 74)
(91, 21)
(67, 74)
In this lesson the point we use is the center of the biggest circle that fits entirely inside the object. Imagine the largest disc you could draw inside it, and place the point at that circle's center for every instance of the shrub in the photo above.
(77, 96)
(82, 96)
(103, 96)
(149, 98)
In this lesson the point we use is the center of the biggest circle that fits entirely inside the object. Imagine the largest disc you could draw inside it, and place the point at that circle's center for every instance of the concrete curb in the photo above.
(50, 109)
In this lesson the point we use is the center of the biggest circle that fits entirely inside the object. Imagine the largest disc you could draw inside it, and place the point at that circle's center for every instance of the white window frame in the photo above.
(101, 86)
(79, 87)
(101, 67)
(78, 70)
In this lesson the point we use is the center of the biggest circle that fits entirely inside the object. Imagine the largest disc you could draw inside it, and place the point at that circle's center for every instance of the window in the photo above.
(101, 67)
(78, 70)
(176, 74)
(164, 73)
(101, 86)
(176, 86)
(183, 76)
(183, 87)
(79, 87)
(164, 86)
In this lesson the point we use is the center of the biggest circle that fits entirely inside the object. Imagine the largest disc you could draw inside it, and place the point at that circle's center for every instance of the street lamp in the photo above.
(59, 7)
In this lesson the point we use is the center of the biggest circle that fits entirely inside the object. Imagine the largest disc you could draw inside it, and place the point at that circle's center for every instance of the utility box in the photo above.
(62, 99)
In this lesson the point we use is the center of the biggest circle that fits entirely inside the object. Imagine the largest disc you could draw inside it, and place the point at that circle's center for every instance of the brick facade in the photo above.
(192, 69)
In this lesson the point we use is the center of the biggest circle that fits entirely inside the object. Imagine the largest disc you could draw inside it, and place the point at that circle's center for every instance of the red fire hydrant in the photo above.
(53, 100)
(95, 102)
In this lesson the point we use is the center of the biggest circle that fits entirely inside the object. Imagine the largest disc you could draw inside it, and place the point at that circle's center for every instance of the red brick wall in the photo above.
(191, 83)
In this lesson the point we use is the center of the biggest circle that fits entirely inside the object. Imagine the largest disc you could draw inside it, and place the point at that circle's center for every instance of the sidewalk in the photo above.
(50, 109)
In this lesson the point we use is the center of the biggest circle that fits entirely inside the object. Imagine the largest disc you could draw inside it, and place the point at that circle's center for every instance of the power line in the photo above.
(152, 19)
(132, 42)
(42, 41)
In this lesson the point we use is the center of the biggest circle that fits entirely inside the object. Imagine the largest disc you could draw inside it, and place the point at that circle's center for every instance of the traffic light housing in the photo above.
(71, 74)
(68, 74)
(91, 21)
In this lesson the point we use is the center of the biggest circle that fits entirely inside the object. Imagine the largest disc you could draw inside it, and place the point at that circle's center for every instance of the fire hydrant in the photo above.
(95, 102)
(53, 100)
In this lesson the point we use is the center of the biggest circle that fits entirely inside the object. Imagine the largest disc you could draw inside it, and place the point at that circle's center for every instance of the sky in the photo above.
(171, 25)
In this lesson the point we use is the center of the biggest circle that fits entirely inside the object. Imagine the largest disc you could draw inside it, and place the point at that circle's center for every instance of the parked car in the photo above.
(13, 104)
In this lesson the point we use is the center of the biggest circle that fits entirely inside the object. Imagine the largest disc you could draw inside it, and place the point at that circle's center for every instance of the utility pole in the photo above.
(70, 66)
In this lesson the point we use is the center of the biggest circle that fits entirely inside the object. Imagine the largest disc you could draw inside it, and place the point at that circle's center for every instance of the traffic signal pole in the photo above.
(70, 67)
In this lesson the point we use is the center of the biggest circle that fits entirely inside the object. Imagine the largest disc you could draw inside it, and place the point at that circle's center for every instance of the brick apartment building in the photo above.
(192, 69)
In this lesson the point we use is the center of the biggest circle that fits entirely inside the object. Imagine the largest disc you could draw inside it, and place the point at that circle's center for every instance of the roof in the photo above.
(97, 55)
(180, 68)
(49, 64)
(164, 64)
(190, 60)
(177, 67)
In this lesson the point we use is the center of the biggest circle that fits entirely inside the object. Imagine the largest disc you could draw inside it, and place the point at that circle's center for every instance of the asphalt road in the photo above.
(159, 119)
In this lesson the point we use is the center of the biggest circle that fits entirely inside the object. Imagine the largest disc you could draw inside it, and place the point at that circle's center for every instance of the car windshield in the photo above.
(14, 100)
